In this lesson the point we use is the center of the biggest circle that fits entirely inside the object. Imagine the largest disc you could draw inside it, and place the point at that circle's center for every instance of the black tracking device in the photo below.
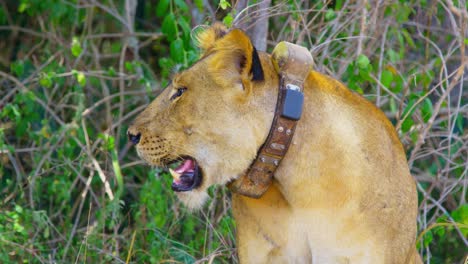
(293, 102)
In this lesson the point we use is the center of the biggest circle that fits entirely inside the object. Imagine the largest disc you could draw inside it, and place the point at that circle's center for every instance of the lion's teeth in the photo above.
(174, 174)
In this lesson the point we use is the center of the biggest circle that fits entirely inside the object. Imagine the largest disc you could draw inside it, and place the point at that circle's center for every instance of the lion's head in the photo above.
(212, 118)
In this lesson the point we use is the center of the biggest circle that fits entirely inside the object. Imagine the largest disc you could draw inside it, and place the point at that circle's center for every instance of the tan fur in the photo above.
(343, 193)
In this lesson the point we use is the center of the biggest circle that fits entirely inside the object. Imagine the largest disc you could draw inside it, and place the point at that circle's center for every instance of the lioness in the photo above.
(342, 194)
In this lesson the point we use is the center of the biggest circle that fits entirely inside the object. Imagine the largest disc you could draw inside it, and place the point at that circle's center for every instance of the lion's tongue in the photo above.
(187, 166)
(186, 176)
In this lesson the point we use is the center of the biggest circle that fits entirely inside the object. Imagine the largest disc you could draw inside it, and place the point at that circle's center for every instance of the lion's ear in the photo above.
(205, 38)
(235, 59)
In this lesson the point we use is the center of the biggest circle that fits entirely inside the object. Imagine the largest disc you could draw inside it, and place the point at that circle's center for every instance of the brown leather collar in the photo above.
(293, 64)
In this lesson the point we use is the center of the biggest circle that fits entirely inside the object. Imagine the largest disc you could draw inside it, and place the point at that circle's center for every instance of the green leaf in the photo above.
(18, 209)
(428, 237)
(460, 215)
(409, 106)
(45, 81)
(18, 68)
(393, 105)
(46, 233)
(192, 56)
(224, 4)
(393, 56)
(362, 61)
(407, 124)
(17, 227)
(186, 29)
(166, 64)
(364, 74)
(397, 84)
(386, 78)
(108, 141)
(111, 71)
(407, 112)
(199, 4)
(408, 39)
(76, 47)
(440, 231)
(116, 47)
(3, 19)
(181, 5)
(338, 5)
(12, 111)
(403, 13)
(162, 7)
(330, 15)
(177, 50)
(129, 66)
(227, 20)
(427, 110)
(81, 78)
(22, 7)
(169, 27)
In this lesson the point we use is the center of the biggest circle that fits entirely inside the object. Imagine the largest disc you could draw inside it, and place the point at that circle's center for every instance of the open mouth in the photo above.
(186, 176)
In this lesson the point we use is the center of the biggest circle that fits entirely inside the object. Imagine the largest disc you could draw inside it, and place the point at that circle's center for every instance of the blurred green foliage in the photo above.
(73, 74)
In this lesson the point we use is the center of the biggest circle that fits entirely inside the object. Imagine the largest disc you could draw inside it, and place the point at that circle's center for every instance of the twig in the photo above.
(77, 217)
(459, 73)
(124, 35)
(129, 255)
(95, 163)
(449, 217)
(32, 180)
(363, 30)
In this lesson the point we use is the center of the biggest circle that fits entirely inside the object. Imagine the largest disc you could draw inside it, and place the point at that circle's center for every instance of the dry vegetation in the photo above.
(73, 74)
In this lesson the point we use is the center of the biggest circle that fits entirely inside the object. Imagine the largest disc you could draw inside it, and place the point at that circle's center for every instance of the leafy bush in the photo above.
(73, 74)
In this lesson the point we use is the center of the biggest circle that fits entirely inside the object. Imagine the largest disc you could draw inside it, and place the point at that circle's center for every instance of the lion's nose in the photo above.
(134, 137)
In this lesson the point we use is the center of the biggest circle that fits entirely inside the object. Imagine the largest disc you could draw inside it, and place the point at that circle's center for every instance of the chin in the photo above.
(194, 199)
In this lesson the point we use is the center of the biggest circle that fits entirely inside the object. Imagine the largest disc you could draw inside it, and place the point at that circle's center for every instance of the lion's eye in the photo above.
(178, 93)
